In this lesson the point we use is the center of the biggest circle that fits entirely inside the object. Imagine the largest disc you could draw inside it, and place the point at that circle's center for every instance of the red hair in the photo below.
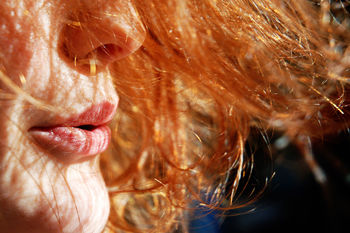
(209, 71)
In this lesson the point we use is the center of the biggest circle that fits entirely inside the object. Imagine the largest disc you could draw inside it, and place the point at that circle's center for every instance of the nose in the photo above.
(90, 41)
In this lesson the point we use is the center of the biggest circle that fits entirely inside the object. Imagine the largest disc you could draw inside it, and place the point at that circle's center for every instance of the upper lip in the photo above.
(96, 115)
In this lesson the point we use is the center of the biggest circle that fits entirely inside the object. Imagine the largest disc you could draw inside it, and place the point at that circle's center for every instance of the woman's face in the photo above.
(56, 96)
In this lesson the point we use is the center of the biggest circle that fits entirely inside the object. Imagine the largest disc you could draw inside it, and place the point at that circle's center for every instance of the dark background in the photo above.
(294, 201)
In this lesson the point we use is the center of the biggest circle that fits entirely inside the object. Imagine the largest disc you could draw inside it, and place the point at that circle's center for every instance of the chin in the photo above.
(54, 199)
(87, 213)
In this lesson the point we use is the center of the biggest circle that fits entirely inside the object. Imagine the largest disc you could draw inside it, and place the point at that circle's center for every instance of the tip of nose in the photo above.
(91, 50)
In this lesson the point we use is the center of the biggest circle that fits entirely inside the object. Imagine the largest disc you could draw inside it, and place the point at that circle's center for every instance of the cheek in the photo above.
(15, 52)
(25, 55)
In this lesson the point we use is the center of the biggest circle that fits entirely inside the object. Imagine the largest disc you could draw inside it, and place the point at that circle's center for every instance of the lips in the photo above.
(78, 137)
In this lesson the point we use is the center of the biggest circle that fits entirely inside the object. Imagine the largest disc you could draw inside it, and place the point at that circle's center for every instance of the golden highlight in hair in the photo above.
(208, 72)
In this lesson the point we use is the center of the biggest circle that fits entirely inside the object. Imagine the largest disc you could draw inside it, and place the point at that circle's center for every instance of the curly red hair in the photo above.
(209, 71)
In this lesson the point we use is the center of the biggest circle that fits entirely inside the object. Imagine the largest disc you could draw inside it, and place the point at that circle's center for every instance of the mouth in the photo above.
(78, 137)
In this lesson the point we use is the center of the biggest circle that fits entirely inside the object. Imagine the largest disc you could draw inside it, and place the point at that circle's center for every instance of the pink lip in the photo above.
(95, 115)
(78, 137)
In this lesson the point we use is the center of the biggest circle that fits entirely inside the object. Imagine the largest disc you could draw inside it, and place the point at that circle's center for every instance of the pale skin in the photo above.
(39, 192)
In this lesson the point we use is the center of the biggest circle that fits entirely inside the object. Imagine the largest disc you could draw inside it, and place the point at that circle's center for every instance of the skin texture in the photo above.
(38, 43)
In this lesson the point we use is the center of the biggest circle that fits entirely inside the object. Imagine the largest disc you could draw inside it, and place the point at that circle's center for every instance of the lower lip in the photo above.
(72, 143)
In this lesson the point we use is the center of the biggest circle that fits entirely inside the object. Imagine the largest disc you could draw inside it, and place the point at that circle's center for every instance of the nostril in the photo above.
(95, 60)
(108, 53)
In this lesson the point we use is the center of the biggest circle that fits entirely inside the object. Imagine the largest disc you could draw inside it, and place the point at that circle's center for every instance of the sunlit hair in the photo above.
(208, 72)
